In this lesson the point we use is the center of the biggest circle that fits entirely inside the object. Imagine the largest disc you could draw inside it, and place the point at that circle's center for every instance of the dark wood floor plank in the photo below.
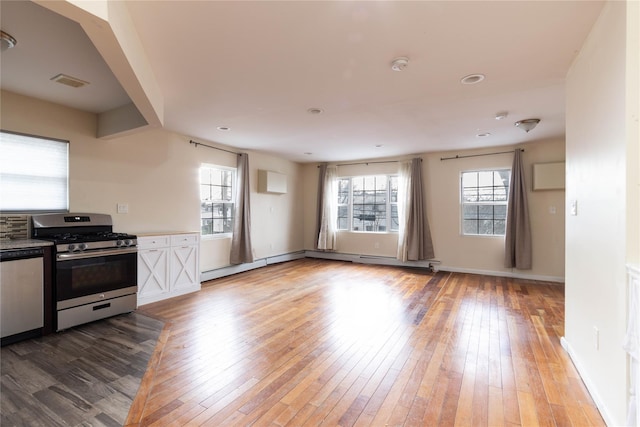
(87, 375)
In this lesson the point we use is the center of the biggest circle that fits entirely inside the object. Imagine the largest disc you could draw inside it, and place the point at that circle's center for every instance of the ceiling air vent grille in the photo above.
(69, 81)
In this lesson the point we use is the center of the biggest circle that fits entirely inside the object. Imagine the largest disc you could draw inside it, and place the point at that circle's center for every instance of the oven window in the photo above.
(82, 277)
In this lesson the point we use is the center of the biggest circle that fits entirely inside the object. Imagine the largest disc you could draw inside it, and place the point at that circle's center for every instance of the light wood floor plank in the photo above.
(316, 342)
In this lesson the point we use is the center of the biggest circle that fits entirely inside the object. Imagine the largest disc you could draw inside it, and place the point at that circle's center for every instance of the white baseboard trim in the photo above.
(606, 415)
(512, 274)
(234, 269)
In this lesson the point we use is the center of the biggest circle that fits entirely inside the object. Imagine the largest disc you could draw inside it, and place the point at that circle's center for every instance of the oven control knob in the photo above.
(71, 247)
(119, 243)
(128, 242)
(82, 246)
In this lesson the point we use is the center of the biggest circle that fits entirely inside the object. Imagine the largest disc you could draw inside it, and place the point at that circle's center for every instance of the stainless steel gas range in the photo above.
(95, 269)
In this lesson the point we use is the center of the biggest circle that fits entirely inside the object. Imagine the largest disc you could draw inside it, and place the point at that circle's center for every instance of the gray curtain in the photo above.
(329, 213)
(517, 249)
(320, 206)
(241, 250)
(415, 241)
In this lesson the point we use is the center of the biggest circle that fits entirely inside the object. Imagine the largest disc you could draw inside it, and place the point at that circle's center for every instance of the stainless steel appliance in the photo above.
(21, 293)
(95, 271)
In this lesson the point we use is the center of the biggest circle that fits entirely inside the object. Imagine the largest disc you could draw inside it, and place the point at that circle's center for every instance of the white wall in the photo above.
(156, 173)
(597, 238)
(484, 253)
(456, 252)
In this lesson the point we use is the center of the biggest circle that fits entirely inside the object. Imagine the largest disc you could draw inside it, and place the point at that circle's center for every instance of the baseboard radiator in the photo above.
(234, 269)
(373, 259)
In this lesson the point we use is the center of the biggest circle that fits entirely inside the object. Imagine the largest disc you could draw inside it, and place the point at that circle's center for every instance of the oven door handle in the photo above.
(95, 254)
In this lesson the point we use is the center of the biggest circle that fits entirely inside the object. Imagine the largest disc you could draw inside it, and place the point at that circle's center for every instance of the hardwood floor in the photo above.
(316, 342)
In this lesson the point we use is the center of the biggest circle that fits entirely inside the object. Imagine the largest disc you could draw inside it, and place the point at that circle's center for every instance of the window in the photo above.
(217, 188)
(484, 202)
(368, 203)
(34, 173)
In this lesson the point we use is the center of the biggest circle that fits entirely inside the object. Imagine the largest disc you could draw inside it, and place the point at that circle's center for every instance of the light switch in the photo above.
(574, 207)
(123, 208)
(552, 210)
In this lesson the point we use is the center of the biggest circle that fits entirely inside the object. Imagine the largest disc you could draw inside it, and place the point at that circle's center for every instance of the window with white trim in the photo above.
(368, 203)
(484, 197)
(34, 173)
(217, 189)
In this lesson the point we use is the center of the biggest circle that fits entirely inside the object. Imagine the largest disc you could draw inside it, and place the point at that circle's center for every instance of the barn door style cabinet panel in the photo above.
(168, 266)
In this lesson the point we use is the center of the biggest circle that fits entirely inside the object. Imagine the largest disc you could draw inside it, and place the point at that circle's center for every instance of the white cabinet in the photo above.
(168, 266)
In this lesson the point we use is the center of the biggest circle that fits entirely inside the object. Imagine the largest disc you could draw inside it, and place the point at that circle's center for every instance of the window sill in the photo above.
(367, 232)
(216, 236)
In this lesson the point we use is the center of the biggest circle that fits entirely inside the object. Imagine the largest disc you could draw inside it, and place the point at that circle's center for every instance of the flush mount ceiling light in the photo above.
(527, 124)
(472, 79)
(315, 110)
(483, 135)
(69, 81)
(7, 41)
(223, 128)
(399, 64)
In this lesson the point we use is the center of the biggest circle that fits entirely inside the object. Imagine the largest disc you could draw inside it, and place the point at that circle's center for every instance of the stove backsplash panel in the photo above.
(15, 226)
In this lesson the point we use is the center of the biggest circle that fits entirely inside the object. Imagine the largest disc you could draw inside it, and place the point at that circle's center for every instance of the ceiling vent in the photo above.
(69, 81)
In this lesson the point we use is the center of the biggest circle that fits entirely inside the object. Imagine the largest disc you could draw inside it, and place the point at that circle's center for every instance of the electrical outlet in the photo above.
(574, 207)
(552, 210)
(596, 338)
(376, 245)
(123, 208)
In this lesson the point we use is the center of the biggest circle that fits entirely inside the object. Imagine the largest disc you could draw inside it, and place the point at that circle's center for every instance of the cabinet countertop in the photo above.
(23, 243)
(165, 233)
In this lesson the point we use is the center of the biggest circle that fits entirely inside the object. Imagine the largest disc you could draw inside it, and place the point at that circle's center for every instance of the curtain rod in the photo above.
(367, 163)
(478, 155)
(211, 146)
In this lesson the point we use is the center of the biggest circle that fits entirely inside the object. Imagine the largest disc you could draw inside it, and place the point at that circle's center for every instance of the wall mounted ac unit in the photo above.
(272, 182)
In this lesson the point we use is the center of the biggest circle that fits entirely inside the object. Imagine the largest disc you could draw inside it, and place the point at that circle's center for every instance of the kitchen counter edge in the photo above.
(6, 245)
(165, 233)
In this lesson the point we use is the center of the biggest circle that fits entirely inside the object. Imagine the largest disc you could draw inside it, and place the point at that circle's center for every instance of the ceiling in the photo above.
(257, 67)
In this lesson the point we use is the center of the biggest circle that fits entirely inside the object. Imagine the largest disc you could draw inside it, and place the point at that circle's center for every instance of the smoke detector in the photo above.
(399, 64)
(7, 41)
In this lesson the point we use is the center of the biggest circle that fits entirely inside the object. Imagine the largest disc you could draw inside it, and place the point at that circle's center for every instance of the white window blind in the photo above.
(34, 173)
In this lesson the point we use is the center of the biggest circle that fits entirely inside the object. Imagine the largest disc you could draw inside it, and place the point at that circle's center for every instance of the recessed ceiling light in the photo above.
(501, 115)
(308, 153)
(379, 146)
(483, 135)
(315, 110)
(472, 79)
(223, 128)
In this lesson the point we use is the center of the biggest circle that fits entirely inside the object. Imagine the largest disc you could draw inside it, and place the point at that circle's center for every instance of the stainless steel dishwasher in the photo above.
(21, 293)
